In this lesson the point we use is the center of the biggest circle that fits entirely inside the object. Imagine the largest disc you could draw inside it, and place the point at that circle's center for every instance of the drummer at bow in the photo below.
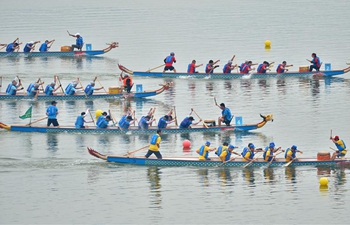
(340, 144)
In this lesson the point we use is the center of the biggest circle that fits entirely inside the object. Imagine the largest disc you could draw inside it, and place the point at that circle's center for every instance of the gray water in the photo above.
(51, 179)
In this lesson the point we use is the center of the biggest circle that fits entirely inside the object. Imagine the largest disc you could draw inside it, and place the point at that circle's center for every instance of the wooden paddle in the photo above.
(35, 121)
(3, 47)
(82, 87)
(200, 118)
(334, 149)
(51, 42)
(92, 118)
(233, 158)
(20, 84)
(132, 152)
(274, 156)
(147, 71)
(113, 119)
(290, 162)
(253, 160)
(61, 89)
(100, 84)
(215, 101)
(176, 124)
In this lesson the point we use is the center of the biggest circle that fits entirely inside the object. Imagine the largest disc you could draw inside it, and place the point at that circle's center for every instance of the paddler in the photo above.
(269, 151)
(169, 60)
(154, 145)
(340, 144)
(290, 153)
(227, 152)
(204, 150)
(249, 152)
(282, 68)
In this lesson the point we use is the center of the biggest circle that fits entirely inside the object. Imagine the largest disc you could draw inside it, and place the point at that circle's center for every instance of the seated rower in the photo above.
(282, 68)
(144, 122)
(80, 121)
(204, 150)
(30, 46)
(290, 153)
(11, 47)
(228, 67)
(104, 123)
(221, 148)
(225, 155)
(246, 67)
(89, 89)
(187, 122)
(249, 152)
(50, 89)
(165, 120)
(209, 68)
(72, 87)
(192, 67)
(263, 67)
(269, 151)
(12, 88)
(340, 144)
(125, 122)
(33, 90)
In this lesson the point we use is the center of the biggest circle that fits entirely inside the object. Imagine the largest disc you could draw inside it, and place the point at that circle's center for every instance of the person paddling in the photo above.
(249, 152)
(192, 67)
(269, 151)
(204, 150)
(340, 144)
(169, 60)
(226, 154)
(291, 153)
(155, 145)
(282, 68)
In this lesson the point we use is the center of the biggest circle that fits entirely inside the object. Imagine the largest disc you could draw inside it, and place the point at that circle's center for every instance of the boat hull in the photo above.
(52, 53)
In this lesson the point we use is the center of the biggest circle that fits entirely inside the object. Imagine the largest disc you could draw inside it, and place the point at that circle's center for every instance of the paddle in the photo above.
(61, 89)
(82, 87)
(147, 71)
(113, 119)
(51, 42)
(274, 156)
(100, 84)
(253, 160)
(290, 162)
(215, 101)
(176, 124)
(20, 84)
(334, 149)
(35, 121)
(3, 47)
(33, 48)
(132, 152)
(200, 118)
(92, 118)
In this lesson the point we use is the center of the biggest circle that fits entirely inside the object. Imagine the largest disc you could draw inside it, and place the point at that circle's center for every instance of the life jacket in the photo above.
(241, 67)
(99, 119)
(79, 123)
(201, 152)
(162, 123)
(121, 121)
(245, 69)
(169, 60)
(88, 88)
(289, 150)
(226, 69)
(341, 146)
(191, 68)
(279, 70)
(68, 89)
(209, 68)
(125, 81)
(143, 123)
(185, 123)
(51, 111)
(228, 155)
(317, 62)
(261, 68)
(154, 139)
(9, 48)
(29, 89)
(219, 151)
(8, 90)
(271, 154)
(47, 90)
(246, 150)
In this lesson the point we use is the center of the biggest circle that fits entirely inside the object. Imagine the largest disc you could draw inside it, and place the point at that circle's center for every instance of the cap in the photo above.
(211, 61)
(77, 34)
(207, 143)
(229, 61)
(231, 146)
(92, 83)
(53, 102)
(108, 117)
(272, 145)
(191, 118)
(104, 113)
(251, 146)
(172, 53)
(129, 118)
(336, 138)
(53, 83)
(294, 147)
(31, 42)
(36, 85)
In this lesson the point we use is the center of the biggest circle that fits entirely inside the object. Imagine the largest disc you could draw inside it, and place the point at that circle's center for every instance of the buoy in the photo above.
(98, 113)
(186, 144)
(267, 44)
(323, 181)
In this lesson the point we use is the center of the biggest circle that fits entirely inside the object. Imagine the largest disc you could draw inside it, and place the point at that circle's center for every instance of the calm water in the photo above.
(50, 178)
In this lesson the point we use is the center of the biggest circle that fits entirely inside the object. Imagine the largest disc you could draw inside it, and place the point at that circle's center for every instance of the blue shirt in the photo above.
(143, 123)
(51, 112)
(43, 47)
(226, 113)
(9, 48)
(79, 42)
(185, 123)
(49, 90)
(79, 123)
(162, 123)
(11, 90)
(103, 124)
(27, 48)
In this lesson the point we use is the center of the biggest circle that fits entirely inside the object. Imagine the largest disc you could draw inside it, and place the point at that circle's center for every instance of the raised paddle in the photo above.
(35, 121)
(147, 71)
(176, 124)
(100, 84)
(61, 89)
(132, 152)
(92, 118)
(253, 160)
(51, 42)
(20, 84)
(215, 101)
(200, 118)
(82, 87)
(113, 119)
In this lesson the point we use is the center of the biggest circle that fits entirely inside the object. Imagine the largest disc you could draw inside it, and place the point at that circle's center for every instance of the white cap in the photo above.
(77, 34)
(31, 42)
(229, 61)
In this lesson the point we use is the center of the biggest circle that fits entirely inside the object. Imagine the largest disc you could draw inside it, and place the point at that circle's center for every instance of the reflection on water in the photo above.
(290, 174)
(269, 175)
(153, 174)
(52, 143)
(203, 177)
(248, 176)
(225, 177)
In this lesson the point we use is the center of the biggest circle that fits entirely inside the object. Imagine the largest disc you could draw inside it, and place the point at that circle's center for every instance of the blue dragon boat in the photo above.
(133, 129)
(60, 53)
(325, 73)
(82, 96)
(214, 162)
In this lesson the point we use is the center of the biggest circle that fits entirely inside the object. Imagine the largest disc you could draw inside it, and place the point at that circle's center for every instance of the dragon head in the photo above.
(268, 117)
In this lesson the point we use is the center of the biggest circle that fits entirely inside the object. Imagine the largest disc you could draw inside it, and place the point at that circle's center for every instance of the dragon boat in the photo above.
(133, 129)
(324, 73)
(213, 162)
(60, 53)
(114, 92)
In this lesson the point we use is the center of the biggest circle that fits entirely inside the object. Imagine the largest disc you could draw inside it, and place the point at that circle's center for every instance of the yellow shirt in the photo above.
(223, 155)
(289, 156)
(202, 157)
(247, 155)
(155, 147)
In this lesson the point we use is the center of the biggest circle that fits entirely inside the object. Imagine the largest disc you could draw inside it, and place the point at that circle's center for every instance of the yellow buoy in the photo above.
(267, 44)
(323, 181)
(98, 113)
